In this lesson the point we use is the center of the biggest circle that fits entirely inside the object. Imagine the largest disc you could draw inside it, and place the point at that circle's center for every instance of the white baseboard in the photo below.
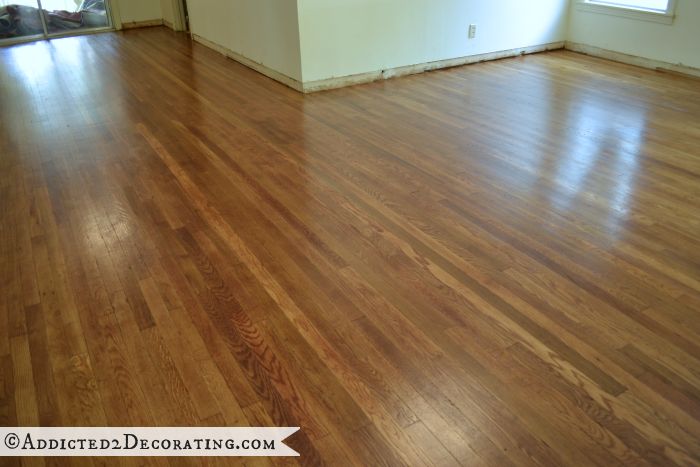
(259, 67)
(631, 59)
(332, 83)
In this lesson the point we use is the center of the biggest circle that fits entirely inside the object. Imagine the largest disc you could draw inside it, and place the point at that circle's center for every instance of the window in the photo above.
(644, 5)
(650, 10)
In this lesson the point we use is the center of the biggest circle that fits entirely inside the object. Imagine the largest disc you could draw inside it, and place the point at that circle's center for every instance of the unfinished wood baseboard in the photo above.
(142, 24)
(332, 83)
(259, 67)
(631, 59)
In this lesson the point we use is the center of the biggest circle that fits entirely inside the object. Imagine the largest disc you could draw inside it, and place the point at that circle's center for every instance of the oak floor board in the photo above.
(495, 264)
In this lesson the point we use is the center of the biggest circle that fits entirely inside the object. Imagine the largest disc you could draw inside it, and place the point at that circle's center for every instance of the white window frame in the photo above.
(600, 6)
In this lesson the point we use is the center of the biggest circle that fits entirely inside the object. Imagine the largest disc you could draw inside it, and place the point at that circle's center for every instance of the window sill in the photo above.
(664, 18)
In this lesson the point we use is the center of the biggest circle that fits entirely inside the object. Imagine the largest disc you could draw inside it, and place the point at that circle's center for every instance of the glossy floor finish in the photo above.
(496, 264)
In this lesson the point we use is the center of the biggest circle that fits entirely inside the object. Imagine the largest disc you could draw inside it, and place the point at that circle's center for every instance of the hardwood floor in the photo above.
(494, 265)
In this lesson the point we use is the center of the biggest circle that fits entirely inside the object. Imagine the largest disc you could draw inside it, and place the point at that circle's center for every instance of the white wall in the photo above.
(264, 31)
(677, 43)
(166, 7)
(314, 40)
(347, 37)
(133, 11)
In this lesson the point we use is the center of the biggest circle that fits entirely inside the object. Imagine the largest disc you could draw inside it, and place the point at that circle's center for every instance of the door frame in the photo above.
(180, 20)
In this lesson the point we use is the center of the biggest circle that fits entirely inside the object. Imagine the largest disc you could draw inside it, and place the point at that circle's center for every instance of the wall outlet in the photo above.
(472, 31)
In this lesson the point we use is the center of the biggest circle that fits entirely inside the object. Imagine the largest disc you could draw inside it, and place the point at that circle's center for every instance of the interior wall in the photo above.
(675, 43)
(314, 40)
(348, 37)
(168, 11)
(264, 31)
(136, 11)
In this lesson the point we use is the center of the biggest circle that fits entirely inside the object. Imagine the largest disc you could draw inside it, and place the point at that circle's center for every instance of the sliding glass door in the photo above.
(70, 16)
(22, 20)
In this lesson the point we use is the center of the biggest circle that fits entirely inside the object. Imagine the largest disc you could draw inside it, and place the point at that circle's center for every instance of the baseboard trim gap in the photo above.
(259, 67)
(362, 78)
(142, 24)
(632, 59)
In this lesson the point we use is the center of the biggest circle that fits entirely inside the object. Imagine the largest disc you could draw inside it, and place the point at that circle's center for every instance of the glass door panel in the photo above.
(20, 20)
(73, 16)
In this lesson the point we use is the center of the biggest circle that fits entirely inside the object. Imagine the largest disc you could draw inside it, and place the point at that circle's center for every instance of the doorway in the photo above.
(27, 20)
(185, 15)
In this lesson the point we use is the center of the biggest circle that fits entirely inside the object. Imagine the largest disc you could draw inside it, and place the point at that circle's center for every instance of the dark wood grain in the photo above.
(496, 264)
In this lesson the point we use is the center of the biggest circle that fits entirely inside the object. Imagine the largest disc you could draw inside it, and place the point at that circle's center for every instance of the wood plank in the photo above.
(489, 265)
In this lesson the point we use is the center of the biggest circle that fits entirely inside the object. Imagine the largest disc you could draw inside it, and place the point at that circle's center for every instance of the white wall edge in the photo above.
(631, 59)
(343, 81)
(178, 23)
(259, 67)
(116, 14)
